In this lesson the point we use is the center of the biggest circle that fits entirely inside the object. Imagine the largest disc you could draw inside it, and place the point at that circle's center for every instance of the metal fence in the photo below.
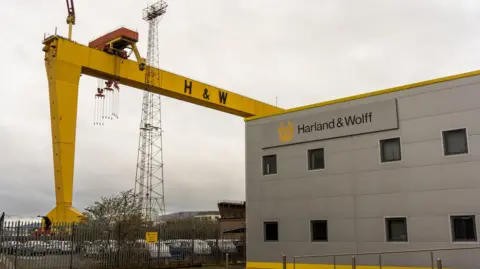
(459, 257)
(25, 245)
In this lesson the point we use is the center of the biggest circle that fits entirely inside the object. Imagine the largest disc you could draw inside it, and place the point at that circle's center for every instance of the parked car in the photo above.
(93, 249)
(54, 247)
(222, 245)
(157, 250)
(184, 248)
(10, 247)
(68, 247)
(169, 242)
(35, 247)
(61, 247)
(100, 247)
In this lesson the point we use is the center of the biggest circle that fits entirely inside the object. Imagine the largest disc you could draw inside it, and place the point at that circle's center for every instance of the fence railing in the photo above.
(26, 245)
(433, 258)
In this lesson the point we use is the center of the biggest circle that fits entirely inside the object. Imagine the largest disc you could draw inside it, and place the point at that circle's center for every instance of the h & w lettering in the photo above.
(188, 87)
(223, 97)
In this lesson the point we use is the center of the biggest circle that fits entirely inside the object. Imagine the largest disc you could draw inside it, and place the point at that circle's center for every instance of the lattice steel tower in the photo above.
(149, 175)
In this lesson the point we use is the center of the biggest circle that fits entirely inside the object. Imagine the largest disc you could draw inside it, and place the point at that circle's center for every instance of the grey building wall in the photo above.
(356, 191)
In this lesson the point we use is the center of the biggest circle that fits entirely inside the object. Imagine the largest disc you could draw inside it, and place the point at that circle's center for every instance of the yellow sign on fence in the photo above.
(151, 237)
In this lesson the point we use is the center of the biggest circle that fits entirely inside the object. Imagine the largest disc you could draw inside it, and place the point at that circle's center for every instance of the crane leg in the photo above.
(63, 80)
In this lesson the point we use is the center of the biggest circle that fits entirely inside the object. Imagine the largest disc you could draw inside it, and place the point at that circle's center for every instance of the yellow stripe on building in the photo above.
(273, 265)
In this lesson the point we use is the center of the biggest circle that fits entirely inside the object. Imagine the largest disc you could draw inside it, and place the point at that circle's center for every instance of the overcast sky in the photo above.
(299, 51)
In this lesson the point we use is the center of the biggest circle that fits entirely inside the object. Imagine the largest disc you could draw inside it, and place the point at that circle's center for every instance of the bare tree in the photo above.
(118, 216)
(116, 223)
(115, 209)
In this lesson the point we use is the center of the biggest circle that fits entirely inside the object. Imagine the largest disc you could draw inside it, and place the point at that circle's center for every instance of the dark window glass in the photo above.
(319, 230)
(396, 229)
(270, 231)
(269, 164)
(390, 150)
(316, 159)
(463, 228)
(455, 142)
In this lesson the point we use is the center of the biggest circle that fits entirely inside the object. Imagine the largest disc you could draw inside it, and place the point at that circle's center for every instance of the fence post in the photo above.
(284, 261)
(16, 244)
(334, 262)
(120, 242)
(354, 262)
(432, 262)
(218, 235)
(158, 244)
(108, 258)
(218, 259)
(193, 244)
(226, 261)
(439, 263)
(380, 260)
(72, 246)
(146, 255)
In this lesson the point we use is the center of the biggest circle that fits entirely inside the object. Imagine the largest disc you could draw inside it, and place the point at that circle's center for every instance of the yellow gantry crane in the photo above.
(66, 61)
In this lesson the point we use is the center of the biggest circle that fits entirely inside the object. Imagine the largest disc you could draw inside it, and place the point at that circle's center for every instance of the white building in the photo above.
(392, 170)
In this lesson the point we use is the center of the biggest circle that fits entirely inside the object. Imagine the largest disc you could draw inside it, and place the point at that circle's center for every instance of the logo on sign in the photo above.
(285, 131)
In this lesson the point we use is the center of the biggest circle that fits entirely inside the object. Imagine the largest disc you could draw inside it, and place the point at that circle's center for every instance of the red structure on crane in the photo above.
(116, 43)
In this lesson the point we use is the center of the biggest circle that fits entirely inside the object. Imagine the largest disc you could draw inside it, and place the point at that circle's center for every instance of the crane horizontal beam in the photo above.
(99, 64)
(66, 60)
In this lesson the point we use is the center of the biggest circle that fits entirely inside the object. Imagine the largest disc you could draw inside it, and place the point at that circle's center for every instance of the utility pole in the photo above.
(149, 189)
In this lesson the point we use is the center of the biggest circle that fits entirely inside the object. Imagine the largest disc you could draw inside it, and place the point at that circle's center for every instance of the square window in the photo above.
(269, 164)
(390, 150)
(319, 230)
(463, 228)
(396, 229)
(270, 231)
(455, 142)
(316, 159)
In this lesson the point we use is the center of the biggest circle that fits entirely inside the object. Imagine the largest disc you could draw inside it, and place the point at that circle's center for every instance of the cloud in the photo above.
(301, 52)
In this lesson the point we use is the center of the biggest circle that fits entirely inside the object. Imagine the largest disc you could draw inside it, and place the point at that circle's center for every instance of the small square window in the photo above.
(270, 230)
(463, 228)
(316, 159)
(390, 150)
(455, 142)
(269, 164)
(396, 229)
(319, 230)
